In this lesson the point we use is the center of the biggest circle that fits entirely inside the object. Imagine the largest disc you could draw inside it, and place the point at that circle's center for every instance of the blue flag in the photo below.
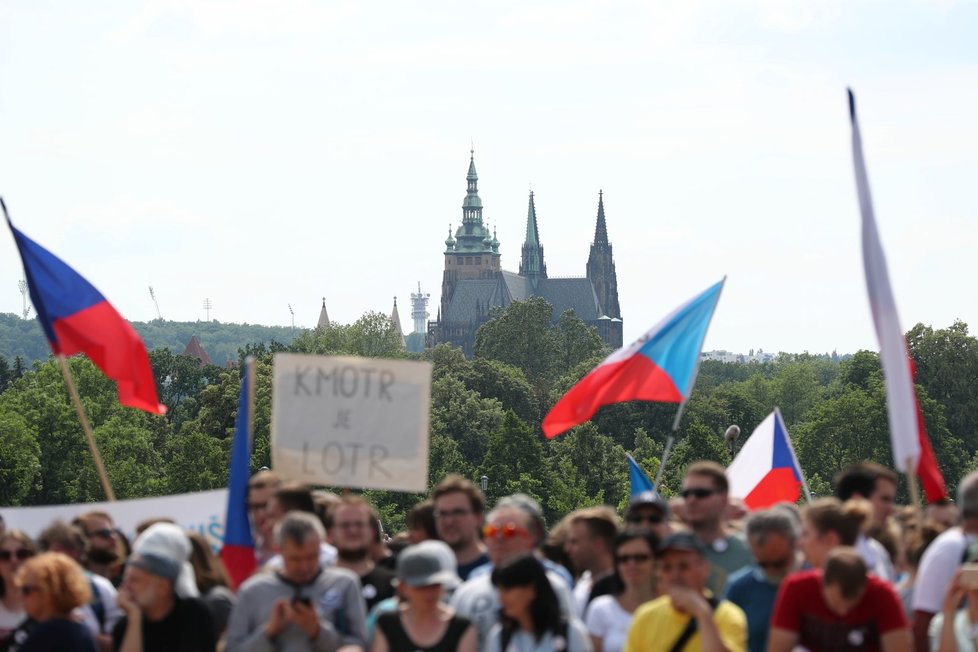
(639, 480)
(238, 553)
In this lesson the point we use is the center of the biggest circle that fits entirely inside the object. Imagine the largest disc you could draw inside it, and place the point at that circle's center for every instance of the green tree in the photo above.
(514, 461)
(20, 466)
(520, 335)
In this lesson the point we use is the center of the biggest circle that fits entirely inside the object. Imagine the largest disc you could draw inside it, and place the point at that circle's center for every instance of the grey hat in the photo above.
(427, 563)
(652, 498)
(164, 550)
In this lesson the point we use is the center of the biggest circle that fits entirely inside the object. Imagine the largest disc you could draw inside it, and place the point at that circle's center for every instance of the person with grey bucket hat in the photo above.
(423, 622)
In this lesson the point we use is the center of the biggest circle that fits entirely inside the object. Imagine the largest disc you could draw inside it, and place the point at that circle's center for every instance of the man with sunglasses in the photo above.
(772, 535)
(705, 504)
(648, 511)
(515, 527)
(102, 554)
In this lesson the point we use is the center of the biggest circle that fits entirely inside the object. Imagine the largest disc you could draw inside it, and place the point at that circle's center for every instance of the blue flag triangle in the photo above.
(639, 479)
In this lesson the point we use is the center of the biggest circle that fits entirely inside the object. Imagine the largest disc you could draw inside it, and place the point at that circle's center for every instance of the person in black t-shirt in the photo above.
(157, 618)
(352, 532)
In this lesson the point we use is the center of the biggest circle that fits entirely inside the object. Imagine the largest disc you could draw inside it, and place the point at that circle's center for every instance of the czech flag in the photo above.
(766, 470)
(238, 552)
(76, 318)
(638, 479)
(659, 366)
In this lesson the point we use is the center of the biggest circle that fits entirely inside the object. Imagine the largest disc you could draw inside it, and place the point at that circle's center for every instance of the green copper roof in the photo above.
(472, 236)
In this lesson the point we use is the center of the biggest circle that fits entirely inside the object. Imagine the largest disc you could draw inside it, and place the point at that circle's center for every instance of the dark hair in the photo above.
(632, 534)
(295, 497)
(68, 537)
(208, 569)
(845, 569)
(845, 519)
(860, 479)
(526, 570)
(454, 483)
(422, 517)
(710, 470)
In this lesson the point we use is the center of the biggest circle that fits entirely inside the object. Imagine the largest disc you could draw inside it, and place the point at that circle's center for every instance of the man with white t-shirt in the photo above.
(942, 559)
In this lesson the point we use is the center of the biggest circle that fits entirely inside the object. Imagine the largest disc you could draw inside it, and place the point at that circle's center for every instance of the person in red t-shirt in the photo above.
(839, 608)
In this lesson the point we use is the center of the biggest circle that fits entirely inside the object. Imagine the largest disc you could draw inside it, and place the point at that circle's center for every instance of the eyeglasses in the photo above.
(21, 554)
(27, 589)
(638, 558)
(104, 533)
(654, 519)
(505, 531)
(698, 492)
(452, 513)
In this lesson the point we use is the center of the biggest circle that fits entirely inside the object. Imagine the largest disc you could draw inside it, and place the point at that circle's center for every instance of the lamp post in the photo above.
(733, 432)
(484, 483)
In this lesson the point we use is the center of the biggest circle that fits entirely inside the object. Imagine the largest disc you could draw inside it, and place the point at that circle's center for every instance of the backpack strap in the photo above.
(97, 605)
(691, 628)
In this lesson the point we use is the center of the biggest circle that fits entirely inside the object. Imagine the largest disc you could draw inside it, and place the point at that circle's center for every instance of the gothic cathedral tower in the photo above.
(601, 267)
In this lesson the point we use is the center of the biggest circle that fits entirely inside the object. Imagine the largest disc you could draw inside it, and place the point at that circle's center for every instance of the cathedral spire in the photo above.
(601, 229)
(531, 264)
(472, 205)
(396, 323)
(323, 317)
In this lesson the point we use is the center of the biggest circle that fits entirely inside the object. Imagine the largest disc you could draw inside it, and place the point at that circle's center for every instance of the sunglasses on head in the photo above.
(505, 531)
(698, 492)
(655, 519)
(21, 554)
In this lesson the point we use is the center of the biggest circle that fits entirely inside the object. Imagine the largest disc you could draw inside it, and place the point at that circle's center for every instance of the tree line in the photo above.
(485, 415)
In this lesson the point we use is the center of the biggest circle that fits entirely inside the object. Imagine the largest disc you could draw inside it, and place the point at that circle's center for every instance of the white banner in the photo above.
(201, 512)
(351, 422)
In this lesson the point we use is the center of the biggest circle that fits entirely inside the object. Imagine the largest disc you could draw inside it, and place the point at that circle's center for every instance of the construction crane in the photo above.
(155, 303)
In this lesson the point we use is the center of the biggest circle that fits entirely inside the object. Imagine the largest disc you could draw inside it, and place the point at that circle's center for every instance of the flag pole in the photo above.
(682, 406)
(914, 492)
(80, 411)
(250, 373)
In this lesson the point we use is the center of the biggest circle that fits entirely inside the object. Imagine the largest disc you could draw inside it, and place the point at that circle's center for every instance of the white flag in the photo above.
(900, 398)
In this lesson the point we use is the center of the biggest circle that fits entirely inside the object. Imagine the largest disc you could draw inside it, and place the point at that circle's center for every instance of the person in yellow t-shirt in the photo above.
(686, 618)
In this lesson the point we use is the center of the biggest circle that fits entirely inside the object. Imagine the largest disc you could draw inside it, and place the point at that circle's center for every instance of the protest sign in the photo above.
(351, 422)
(201, 512)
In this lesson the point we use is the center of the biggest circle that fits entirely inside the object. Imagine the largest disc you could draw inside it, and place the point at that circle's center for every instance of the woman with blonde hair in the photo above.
(52, 586)
(15, 549)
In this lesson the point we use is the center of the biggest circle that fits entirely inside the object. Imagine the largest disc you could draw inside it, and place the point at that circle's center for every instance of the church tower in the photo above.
(601, 266)
(531, 262)
(474, 252)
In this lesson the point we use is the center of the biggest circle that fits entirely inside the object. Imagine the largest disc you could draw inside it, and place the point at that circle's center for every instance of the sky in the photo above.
(268, 154)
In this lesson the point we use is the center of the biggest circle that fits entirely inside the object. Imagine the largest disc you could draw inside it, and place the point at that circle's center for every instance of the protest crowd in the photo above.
(699, 572)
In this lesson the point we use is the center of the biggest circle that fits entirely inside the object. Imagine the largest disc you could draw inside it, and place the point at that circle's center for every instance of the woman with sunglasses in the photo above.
(15, 548)
(610, 616)
(52, 586)
(530, 618)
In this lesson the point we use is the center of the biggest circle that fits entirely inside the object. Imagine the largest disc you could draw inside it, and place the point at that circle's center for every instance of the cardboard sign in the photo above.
(351, 422)
(201, 512)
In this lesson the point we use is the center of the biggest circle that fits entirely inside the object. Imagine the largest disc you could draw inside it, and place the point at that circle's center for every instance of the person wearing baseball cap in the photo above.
(687, 617)
(423, 620)
(159, 597)
(648, 511)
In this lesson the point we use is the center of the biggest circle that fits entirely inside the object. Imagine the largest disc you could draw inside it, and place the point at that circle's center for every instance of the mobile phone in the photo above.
(305, 601)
